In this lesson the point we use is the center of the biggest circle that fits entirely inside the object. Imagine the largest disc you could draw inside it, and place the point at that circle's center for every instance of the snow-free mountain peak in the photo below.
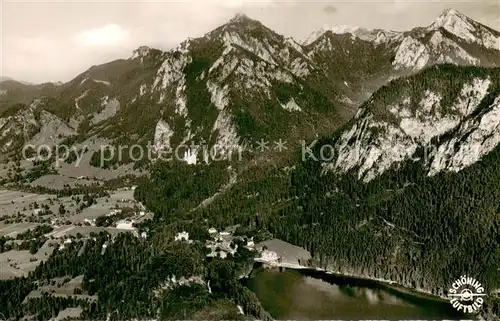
(451, 20)
(140, 52)
(241, 17)
(242, 81)
(313, 36)
(241, 25)
(243, 21)
(449, 17)
(466, 29)
(451, 38)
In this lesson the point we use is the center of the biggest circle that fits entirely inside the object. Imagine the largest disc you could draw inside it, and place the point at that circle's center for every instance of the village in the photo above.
(32, 226)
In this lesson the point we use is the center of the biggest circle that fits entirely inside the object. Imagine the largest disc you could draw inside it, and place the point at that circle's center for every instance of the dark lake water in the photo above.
(308, 294)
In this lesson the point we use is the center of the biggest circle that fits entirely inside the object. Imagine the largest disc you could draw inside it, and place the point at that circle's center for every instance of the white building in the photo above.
(183, 236)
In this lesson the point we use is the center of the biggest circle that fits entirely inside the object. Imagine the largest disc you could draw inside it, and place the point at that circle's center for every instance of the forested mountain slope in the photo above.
(237, 84)
(450, 113)
(407, 224)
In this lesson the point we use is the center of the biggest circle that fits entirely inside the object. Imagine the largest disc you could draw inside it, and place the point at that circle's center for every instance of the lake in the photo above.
(309, 294)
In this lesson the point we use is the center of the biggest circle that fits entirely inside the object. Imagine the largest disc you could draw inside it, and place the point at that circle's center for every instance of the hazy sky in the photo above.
(56, 40)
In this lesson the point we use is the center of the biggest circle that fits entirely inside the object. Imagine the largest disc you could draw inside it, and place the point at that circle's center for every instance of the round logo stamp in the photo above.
(466, 294)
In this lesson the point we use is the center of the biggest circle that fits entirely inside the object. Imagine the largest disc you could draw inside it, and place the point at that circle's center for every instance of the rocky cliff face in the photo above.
(243, 82)
(450, 112)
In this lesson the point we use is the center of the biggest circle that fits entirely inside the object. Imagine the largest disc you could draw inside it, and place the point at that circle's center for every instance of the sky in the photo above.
(57, 40)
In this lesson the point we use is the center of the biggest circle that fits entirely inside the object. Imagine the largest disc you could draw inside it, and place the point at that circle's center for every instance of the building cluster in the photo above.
(222, 243)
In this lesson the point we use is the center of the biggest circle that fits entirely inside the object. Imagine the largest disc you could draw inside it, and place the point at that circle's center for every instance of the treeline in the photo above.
(32, 240)
(422, 232)
(132, 278)
(47, 307)
(175, 188)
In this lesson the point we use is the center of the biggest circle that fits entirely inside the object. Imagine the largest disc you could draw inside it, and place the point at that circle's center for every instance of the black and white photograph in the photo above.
(249, 160)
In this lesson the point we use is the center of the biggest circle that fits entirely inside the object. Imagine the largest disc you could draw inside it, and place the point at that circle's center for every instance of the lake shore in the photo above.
(387, 283)
(306, 293)
(282, 254)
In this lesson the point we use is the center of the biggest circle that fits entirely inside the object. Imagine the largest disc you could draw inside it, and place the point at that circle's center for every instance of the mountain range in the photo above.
(239, 83)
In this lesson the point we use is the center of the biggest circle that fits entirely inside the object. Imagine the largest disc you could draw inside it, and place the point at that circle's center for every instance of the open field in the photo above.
(58, 174)
(13, 203)
(11, 230)
(61, 287)
(19, 263)
(71, 230)
(68, 313)
(21, 212)
(57, 181)
(289, 253)
(23, 207)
